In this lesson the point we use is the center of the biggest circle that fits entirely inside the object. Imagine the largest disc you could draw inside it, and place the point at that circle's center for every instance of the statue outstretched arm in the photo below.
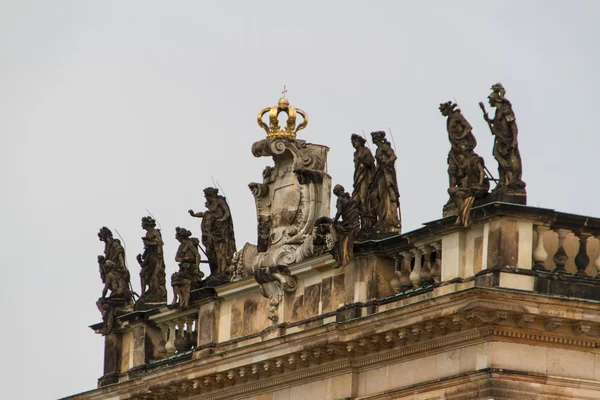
(487, 118)
(196, 215)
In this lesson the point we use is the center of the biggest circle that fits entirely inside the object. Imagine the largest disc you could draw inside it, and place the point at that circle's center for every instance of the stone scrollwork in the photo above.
(294, 193)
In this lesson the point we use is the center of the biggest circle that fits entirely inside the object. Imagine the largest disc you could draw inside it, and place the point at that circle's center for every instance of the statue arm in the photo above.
(196, 215)
(512, 123)
(226, 213)
(391, 156)
(153, 240)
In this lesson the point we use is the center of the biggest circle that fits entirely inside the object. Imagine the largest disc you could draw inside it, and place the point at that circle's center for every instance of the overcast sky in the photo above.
(111, 107)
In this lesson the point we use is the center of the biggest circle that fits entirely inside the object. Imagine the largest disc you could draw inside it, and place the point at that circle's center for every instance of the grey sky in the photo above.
(111, 107)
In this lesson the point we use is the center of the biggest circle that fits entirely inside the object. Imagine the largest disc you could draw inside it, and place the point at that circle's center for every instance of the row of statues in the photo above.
(219, 246)
(469, 178)
(293, 219)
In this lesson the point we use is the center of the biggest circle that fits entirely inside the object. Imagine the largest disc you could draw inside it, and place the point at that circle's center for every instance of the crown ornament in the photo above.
(290, 129)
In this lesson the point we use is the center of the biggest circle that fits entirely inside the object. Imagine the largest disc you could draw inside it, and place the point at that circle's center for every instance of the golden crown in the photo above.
(273, 129)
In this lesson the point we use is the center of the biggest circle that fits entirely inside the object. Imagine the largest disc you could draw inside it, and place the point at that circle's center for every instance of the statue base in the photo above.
(218, 279)
(515, 194)
(202, 293)
(143, 304)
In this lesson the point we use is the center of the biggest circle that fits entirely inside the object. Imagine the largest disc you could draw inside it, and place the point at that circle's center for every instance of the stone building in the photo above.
(504, 306)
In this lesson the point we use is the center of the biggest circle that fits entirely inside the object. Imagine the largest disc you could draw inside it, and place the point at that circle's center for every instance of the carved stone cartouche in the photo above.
(116, 279)
(218, 236)
(152, 263)
(294, 193)
(506, 147)
(466, 170)
(385, 196)
(189, 277)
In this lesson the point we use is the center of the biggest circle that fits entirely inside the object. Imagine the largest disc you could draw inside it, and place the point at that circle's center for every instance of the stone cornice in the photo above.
(412, 327)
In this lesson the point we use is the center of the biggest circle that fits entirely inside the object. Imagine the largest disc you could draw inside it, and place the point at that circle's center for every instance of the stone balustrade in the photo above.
(505, 248)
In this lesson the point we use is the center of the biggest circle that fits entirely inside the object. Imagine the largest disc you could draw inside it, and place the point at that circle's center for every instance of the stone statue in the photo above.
(152, 274)
(116, 278)
(217, 235)
(506, 147)
(260, 191)
(189, 277)
(466, 169)
(364, 169)
(384, 186)
(346, 229)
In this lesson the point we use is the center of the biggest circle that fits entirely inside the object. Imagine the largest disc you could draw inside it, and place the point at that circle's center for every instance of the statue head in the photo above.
(211, 193)
(497, 95)
(148, 222)
(339, 190)
(447, 108)
(182, 234)
(105, 234)
(357, 141)
(378, 137)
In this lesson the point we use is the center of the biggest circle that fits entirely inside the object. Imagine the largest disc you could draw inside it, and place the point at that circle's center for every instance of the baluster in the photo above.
(582, 259)
(405, 282)
(540, 254)
(415, 275)
(170, 345)
(190, 330)
(164, 331)
(436, 271)
(560, 257)
(597, 262)
(425, 274)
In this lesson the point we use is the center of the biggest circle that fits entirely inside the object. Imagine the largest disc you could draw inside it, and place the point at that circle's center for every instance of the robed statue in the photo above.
(466, 170)
(385, 195)
(506, 146)
(344, 230)
(189, 277)
(116, 279)
(152, 263)
(364, 169)
(217, 235)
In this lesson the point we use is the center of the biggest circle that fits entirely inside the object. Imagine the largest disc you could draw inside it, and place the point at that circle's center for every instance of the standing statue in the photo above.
(384, 186)
(364, 169)
(466, 169)
(345, 231)
(115, 276)
(189, 277)
(152, 274)
(506, 147)
(217, 235)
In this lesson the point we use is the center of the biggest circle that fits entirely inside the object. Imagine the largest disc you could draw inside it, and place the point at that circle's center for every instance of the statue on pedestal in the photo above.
(466, 169)
(217, 236)
(189, 277)
(152, 274)
(506, 147)
(384, 186)
(364, 169)
(116, 278)
(346, 229)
